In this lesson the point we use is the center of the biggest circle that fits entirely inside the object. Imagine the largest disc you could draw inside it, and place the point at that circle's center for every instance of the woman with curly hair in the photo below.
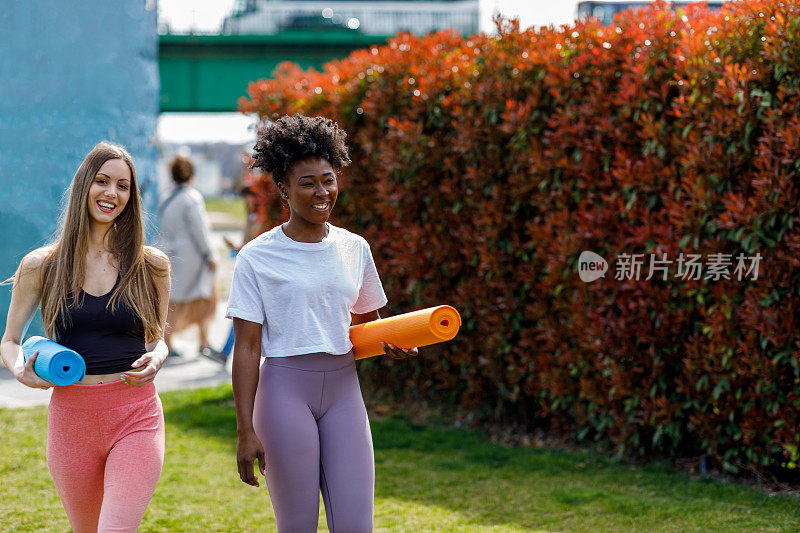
(295, 292)
(104, 294)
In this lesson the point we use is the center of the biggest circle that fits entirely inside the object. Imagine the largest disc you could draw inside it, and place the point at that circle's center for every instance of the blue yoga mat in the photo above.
(55, 363)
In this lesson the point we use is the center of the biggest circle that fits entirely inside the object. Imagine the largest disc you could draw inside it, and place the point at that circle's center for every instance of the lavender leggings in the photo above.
(311, 420)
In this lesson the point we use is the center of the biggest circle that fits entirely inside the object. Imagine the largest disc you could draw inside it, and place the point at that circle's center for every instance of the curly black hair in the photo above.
(290, 139)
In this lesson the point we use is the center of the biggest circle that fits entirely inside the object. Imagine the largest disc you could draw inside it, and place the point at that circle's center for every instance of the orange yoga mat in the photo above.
(409, 330)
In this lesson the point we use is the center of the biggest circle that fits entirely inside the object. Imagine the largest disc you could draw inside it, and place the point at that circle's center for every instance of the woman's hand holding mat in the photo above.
(409, 330)
(399, 353)
(52, 362)
(26, 375)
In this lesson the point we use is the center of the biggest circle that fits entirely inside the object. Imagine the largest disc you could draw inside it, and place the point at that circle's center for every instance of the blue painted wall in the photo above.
(73, 74)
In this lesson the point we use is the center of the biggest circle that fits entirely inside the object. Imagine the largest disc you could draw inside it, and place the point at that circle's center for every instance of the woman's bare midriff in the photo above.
(96, 379)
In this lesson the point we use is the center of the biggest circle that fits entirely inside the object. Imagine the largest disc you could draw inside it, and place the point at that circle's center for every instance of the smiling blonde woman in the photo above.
(104, 294)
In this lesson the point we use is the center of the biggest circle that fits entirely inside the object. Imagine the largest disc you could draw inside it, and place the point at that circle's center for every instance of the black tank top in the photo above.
(109, 342)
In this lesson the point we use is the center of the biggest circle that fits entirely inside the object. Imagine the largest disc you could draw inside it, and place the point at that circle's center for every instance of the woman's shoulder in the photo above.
(343, 235)
(156, 257)
(194, 194)
(185, 195)
(262, 242)
(35, 259)
(30, 271)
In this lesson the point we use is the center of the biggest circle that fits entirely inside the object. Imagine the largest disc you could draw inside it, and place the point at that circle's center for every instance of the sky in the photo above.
(185, 15)
(207, 15)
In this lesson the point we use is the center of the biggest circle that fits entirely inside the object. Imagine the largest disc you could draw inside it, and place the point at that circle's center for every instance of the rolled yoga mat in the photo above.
(55, 363)
(409, 330)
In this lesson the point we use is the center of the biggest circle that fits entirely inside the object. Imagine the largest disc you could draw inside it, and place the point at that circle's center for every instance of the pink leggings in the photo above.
(105, 449)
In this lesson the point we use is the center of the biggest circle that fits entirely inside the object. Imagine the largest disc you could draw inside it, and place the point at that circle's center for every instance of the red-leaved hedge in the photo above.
(483, 167)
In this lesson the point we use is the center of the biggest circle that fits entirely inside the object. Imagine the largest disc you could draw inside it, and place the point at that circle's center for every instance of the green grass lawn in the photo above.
(428, 479)
(231, 206)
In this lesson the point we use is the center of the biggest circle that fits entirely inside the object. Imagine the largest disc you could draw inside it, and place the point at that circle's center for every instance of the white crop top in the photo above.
(303, 292)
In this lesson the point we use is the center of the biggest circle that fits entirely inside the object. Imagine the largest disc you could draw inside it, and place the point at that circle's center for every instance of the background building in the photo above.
(374, 17)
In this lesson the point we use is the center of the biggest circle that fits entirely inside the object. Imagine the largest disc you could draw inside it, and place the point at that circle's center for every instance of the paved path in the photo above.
(188, 371)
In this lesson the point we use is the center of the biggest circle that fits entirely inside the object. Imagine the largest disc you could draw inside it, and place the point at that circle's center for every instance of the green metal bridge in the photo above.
(209, 73)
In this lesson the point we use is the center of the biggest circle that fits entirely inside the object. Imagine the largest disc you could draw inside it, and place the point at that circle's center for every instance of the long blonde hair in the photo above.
(64, 268)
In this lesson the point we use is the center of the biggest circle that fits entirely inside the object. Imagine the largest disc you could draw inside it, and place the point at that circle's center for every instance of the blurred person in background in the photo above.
(253, 227)
(185, 237)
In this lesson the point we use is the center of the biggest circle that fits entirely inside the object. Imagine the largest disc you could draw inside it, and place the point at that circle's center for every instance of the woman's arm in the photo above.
(390, 349)
(229, 243)
(246, 359)
(25, 296)
(362, 318)
(148, 365)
